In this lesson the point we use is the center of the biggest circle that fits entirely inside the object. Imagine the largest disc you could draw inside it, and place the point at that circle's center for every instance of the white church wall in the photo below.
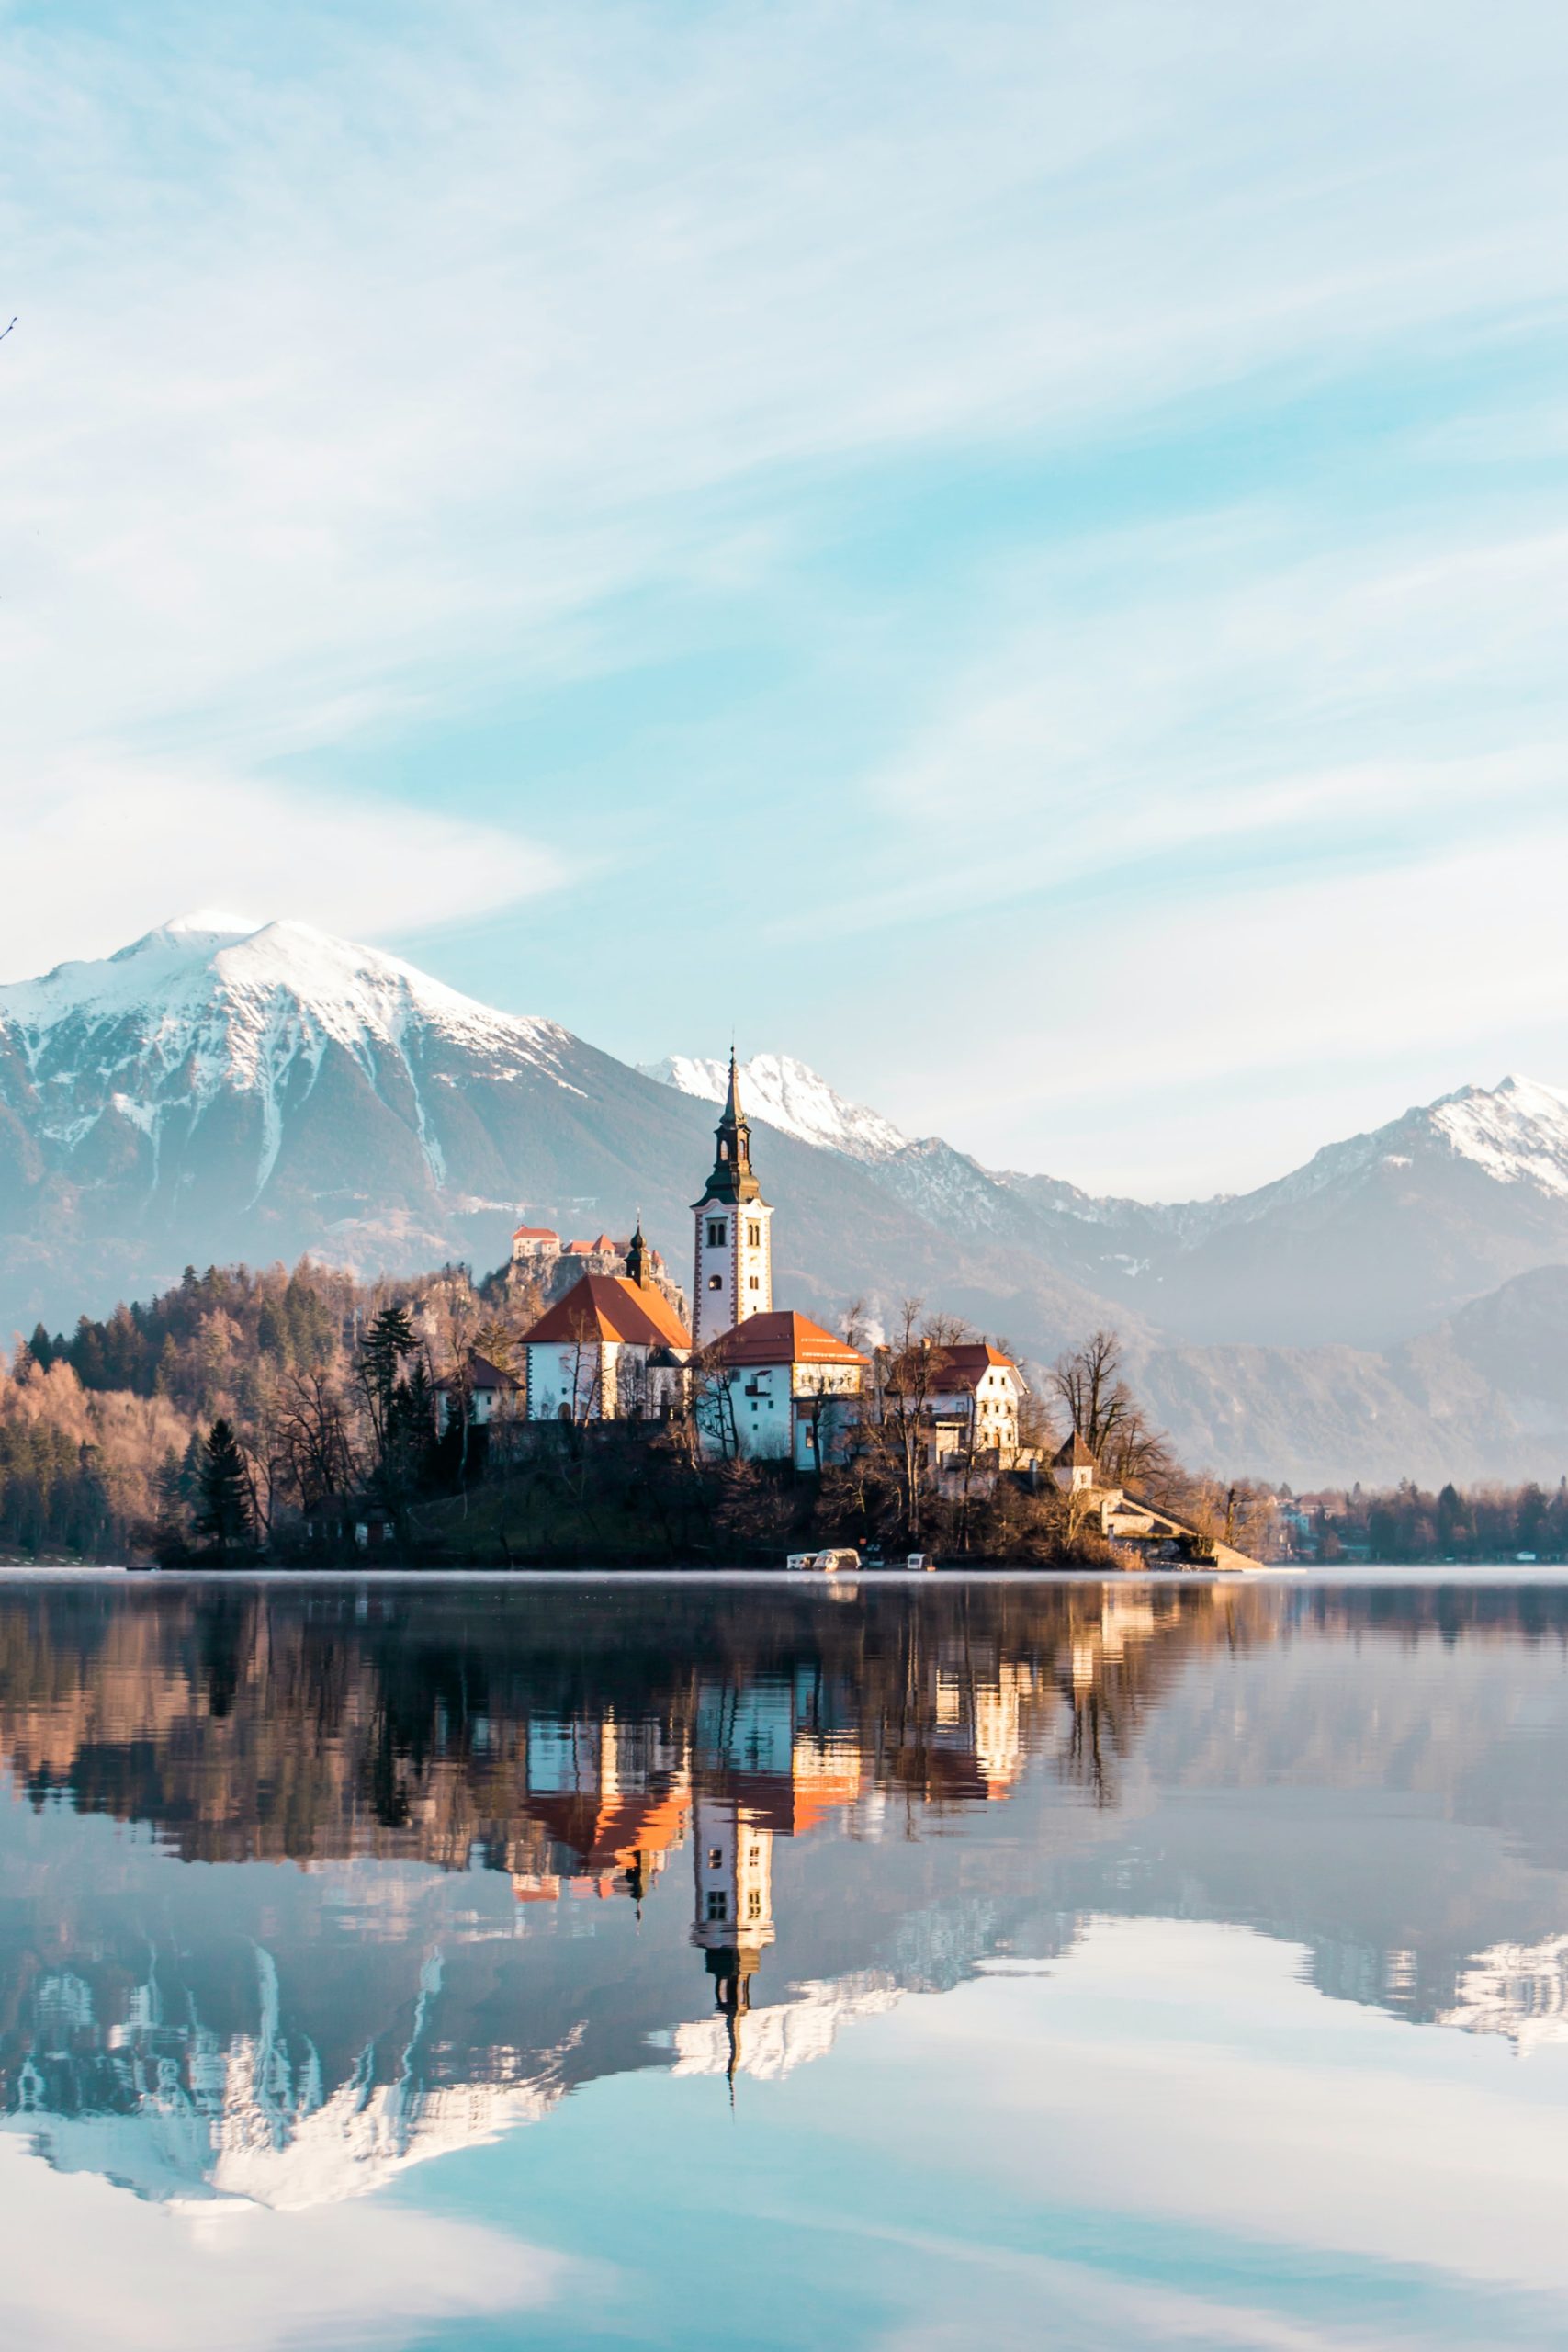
(580, 1378)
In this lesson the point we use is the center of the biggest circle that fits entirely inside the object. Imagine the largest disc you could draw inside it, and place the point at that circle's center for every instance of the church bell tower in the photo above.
(734, 1254)
(733, 1926)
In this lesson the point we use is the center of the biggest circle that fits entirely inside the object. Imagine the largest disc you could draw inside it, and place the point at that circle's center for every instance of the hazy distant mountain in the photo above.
(219, 1089)
(1373, 1241)
(1398, 1305)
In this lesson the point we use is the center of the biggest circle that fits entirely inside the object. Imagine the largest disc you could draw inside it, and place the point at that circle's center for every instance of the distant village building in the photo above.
(783, 1389)
(542, 1261)
(974, 1399)
(1075, 1468)
(734, 1269)
(535, 1246)
(489, 1392)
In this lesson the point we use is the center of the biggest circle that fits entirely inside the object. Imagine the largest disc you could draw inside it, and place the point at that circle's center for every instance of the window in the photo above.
(715, 1282)
(718, 1906)
(754, 1236)
(753, 1906)
(756, 1855)
(756, 1282)
(715, 1857)
(718, 1227)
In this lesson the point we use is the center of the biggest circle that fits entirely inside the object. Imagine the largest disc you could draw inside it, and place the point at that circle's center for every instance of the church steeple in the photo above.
(734, 1260)
(637, 1257)
(732, 1179)
(733, 1859)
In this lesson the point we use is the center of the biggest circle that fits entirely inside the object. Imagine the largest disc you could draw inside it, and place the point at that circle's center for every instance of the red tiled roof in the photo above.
(606, 1307)
(1075, 1454)
(964, 1365)
(535, 1232)
(784, 1337)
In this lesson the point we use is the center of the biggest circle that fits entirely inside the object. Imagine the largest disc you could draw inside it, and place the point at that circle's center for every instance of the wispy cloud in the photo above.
(249, 2279)
(367, 363)
(113, 837)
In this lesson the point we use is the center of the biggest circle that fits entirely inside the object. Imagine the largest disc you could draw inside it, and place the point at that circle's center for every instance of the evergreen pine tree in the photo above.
(382, 1353)
(224, 1520)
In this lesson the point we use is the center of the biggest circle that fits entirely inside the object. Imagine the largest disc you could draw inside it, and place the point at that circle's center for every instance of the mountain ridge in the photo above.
(216, 1090)
(1253, 1268)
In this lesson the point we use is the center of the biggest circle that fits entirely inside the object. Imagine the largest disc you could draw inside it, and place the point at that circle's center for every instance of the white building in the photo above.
(978, 1391)
(535, 1246)
(1075, 1468)
(734, 1263)
(782, 1389)
(613, 1348)
(490, 1392)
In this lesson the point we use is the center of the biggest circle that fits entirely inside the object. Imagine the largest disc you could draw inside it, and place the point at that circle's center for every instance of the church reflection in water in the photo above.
(303, 1885)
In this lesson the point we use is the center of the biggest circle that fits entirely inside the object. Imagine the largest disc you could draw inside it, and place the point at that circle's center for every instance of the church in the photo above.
(763, 1383)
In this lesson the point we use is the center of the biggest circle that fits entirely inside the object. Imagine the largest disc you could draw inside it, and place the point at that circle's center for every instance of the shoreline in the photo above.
(841, 1587)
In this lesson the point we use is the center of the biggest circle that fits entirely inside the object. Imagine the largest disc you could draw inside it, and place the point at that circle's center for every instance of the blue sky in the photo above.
(1020, 553)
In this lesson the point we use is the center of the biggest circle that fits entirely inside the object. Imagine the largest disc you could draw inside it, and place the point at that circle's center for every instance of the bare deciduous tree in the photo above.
(1100, 1409)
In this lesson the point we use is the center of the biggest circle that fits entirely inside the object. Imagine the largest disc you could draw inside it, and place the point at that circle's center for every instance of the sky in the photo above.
(1016, 552)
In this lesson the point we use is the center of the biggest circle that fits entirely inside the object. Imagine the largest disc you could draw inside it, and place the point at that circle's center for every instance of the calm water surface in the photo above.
(1005, 1964)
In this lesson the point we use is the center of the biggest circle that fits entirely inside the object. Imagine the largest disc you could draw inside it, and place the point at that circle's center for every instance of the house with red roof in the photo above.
(778, 1388)
(535, 1246)
(976, 1391)
(612, 1347)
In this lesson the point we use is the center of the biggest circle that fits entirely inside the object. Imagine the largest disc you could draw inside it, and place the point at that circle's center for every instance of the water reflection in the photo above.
(553, 1835)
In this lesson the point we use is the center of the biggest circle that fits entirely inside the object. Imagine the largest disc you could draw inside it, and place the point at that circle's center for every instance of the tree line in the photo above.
(304, 1414)
(237, 1410)
(1410, 1524)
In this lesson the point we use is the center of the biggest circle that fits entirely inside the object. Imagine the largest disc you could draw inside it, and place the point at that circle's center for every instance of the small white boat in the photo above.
(826, 1564)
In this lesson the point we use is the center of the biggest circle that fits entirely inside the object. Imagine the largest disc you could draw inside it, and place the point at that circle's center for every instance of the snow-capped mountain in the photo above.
(172, 2110)
(773, 2040)
(1518, 1990)
(221, 1090)
(789, 1096)
(1371, 1241)
(209, 1009)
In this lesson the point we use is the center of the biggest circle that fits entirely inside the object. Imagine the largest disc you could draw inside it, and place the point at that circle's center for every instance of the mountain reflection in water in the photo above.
(551, 1834)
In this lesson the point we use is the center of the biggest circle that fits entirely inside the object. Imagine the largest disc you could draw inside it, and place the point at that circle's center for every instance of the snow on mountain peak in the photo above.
(249, 977)
(1517, 1133)
(788, 1095)
(206, 1006)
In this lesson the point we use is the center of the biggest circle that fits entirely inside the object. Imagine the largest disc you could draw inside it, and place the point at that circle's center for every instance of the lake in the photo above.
(1003, 1963)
